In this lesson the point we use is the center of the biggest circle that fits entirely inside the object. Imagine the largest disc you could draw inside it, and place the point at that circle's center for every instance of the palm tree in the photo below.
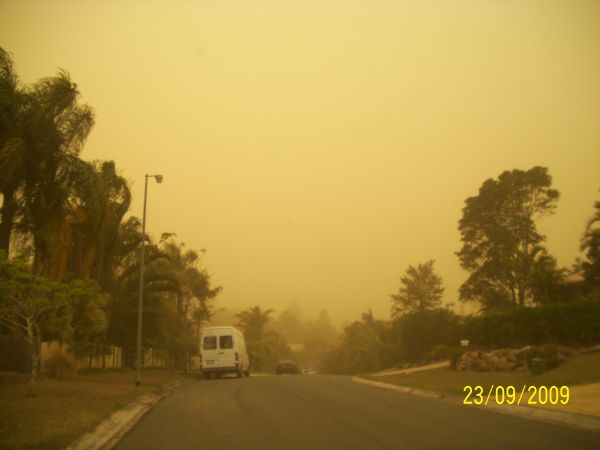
(160, 282)
(12, 103)
(191, 298)
(42, 131)
(253, 321)
(545, 276)
(56, 129)
(265, 347)
(101, 199)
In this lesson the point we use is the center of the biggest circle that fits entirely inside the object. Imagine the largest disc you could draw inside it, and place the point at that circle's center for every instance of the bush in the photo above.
(569, 323)
(418, 333)
(553, 355)
(438, 353)
(60, 365)
(454, 357)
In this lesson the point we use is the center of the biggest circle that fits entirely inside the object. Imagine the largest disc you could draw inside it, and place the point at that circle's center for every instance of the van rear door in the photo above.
(226, 351)
(210, 351)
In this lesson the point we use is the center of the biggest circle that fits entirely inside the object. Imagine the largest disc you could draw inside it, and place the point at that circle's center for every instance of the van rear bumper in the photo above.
(232, 369)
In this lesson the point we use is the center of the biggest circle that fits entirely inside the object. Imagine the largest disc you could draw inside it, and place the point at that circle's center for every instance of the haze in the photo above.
(317, 149)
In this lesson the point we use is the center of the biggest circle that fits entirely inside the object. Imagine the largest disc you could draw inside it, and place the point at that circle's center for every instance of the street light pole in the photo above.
(138, 363)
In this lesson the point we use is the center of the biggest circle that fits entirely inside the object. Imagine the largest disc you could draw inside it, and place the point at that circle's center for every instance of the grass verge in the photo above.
(577, 373)
(580, 369)
(61, 411)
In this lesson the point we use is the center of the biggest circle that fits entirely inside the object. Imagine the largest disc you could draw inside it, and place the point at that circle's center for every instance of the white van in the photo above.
(223, 350)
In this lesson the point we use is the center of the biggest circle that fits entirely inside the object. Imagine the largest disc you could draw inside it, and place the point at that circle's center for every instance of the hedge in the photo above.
(416, 334)
(568, 323)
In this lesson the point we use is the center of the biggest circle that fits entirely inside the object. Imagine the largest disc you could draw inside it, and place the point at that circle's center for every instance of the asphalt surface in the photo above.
(313, 412)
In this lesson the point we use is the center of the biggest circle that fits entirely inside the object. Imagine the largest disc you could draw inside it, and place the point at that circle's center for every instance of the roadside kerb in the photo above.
(111, 431)
(580, 421)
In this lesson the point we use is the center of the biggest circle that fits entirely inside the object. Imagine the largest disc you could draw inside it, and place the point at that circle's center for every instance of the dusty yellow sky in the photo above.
(316, 149)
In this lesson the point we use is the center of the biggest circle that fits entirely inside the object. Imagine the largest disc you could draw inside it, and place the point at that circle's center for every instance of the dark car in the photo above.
(287, 366)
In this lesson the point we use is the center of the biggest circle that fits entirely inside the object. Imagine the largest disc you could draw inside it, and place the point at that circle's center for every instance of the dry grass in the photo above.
(61, 411)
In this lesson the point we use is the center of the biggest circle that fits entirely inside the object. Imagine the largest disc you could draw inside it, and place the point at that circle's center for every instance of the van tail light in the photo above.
(237, 356)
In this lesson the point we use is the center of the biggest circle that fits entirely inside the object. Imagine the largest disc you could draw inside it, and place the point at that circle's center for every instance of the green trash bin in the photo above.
(537, 366)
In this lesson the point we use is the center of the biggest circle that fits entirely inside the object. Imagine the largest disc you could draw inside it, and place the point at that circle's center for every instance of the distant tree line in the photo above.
(69, 256)
(287, 335)
(523, 295)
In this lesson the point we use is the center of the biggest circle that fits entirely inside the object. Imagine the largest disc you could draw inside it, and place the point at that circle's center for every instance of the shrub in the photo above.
(438, 353)
(60, 365)
(568, 323)
(418, 333)
(454, 357)
(553, 355)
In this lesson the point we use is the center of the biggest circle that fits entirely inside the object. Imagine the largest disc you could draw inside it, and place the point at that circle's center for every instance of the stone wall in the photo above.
(512, 359)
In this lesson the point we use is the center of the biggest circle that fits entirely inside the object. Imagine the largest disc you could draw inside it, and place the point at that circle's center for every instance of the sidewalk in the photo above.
(585, 399)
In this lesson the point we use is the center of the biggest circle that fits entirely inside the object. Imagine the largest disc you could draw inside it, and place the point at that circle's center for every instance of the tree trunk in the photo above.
(39, 257)
(7, 214)
(521, 293)
(33, 339)
(525, 277)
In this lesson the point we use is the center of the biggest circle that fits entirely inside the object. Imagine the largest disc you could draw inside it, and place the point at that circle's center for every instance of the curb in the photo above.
(402, 389)
(580, 421)
(111, 431)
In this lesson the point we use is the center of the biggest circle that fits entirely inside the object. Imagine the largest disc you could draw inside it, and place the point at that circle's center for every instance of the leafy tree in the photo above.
(87, 315)
(500, 238)
(289, 324)
(322, 335)
(38, 308)
(361, 348)
(590, 244)
(421, 290)
(28, 303)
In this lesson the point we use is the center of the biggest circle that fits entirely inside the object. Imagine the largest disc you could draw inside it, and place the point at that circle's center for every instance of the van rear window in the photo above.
(210, 343)
(225, 342)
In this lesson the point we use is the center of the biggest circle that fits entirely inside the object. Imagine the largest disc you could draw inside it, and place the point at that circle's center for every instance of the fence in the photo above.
(155, 359)
(112, 359)
(160, 359)
(15, 356)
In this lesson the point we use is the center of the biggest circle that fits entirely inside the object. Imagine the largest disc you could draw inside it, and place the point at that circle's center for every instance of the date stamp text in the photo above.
(513, 395)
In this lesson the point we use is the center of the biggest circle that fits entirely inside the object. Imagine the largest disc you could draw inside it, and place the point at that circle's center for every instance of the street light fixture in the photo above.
(138, 364)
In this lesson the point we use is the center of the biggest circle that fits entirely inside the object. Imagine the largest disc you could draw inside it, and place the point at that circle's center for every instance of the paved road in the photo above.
(331, 412)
